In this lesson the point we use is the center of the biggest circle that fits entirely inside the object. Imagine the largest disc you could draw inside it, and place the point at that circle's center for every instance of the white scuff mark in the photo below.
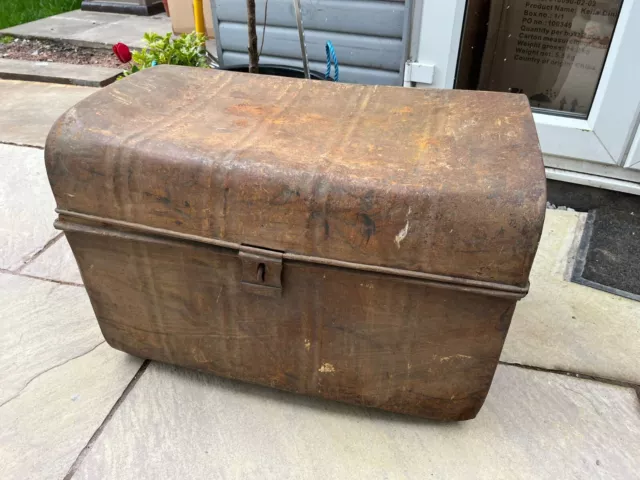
(459, 355)
(219, 293)
(69, 195)
(124, 99)
(307, 344)
(327, 368)
(198, 355)
(402, 234)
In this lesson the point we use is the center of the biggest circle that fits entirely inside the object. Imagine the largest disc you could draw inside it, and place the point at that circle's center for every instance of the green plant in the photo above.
(188, 50)
(6, 39)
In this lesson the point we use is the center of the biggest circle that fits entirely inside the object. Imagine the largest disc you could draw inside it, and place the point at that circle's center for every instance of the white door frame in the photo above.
(435, 38)
(599, 145)
(605, 135)
(633, 158)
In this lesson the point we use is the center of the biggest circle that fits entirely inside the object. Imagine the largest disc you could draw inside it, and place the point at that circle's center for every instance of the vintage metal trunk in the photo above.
(362, 244)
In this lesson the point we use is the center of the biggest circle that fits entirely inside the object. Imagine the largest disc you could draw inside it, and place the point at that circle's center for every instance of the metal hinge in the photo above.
(418, 72)
(261, 271)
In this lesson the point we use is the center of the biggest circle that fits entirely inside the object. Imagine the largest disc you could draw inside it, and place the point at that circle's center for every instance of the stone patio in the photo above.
(93, 29)
(72, 407)
(52, 72)
(28, 109)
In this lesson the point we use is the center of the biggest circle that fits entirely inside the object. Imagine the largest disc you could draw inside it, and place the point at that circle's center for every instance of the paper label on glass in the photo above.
(551, 50)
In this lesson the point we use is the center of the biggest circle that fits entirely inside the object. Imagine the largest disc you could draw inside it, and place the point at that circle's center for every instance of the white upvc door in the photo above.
(604, 145)
(633, 159)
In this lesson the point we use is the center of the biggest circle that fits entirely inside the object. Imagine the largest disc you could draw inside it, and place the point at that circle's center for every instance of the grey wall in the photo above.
(368, 36)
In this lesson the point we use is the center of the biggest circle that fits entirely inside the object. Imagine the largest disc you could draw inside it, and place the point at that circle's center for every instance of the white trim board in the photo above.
(592, 180)
(610, 177)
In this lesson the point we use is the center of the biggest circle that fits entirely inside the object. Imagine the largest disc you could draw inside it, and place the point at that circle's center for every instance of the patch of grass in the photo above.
(16, 12)
(6, 39)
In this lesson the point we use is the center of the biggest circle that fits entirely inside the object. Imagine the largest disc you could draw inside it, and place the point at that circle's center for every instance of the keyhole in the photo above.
(261, 270)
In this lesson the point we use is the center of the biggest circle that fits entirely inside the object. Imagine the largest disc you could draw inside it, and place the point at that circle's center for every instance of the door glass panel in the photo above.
(553, 51)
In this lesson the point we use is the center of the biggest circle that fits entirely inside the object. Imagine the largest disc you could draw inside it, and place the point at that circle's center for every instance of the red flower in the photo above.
(122, 52)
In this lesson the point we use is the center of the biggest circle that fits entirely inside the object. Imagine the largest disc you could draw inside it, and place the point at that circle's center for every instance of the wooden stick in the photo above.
(253, 36)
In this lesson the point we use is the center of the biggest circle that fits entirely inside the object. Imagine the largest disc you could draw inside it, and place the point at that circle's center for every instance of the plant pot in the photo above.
(278, 71)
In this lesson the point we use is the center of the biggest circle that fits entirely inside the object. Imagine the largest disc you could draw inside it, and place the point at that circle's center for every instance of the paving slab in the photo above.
(43, 324)
(55, 263)
(93, 18)
(181, 424)
(129, 31)
(54, 72)
(26, 204)
(54, 27)
(93, 28)
(565, 326)
(59, 378)
(29, 109)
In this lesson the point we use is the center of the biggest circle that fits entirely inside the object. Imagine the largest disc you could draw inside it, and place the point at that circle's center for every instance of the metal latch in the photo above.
(261, 271)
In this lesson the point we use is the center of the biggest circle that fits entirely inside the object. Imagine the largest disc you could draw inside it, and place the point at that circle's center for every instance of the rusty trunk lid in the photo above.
(442, 182)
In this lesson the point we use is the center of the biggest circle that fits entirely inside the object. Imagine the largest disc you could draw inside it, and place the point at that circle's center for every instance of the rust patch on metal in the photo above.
(364, 244)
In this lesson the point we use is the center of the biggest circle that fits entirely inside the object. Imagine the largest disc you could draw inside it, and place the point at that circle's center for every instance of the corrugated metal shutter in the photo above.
(369, 36)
